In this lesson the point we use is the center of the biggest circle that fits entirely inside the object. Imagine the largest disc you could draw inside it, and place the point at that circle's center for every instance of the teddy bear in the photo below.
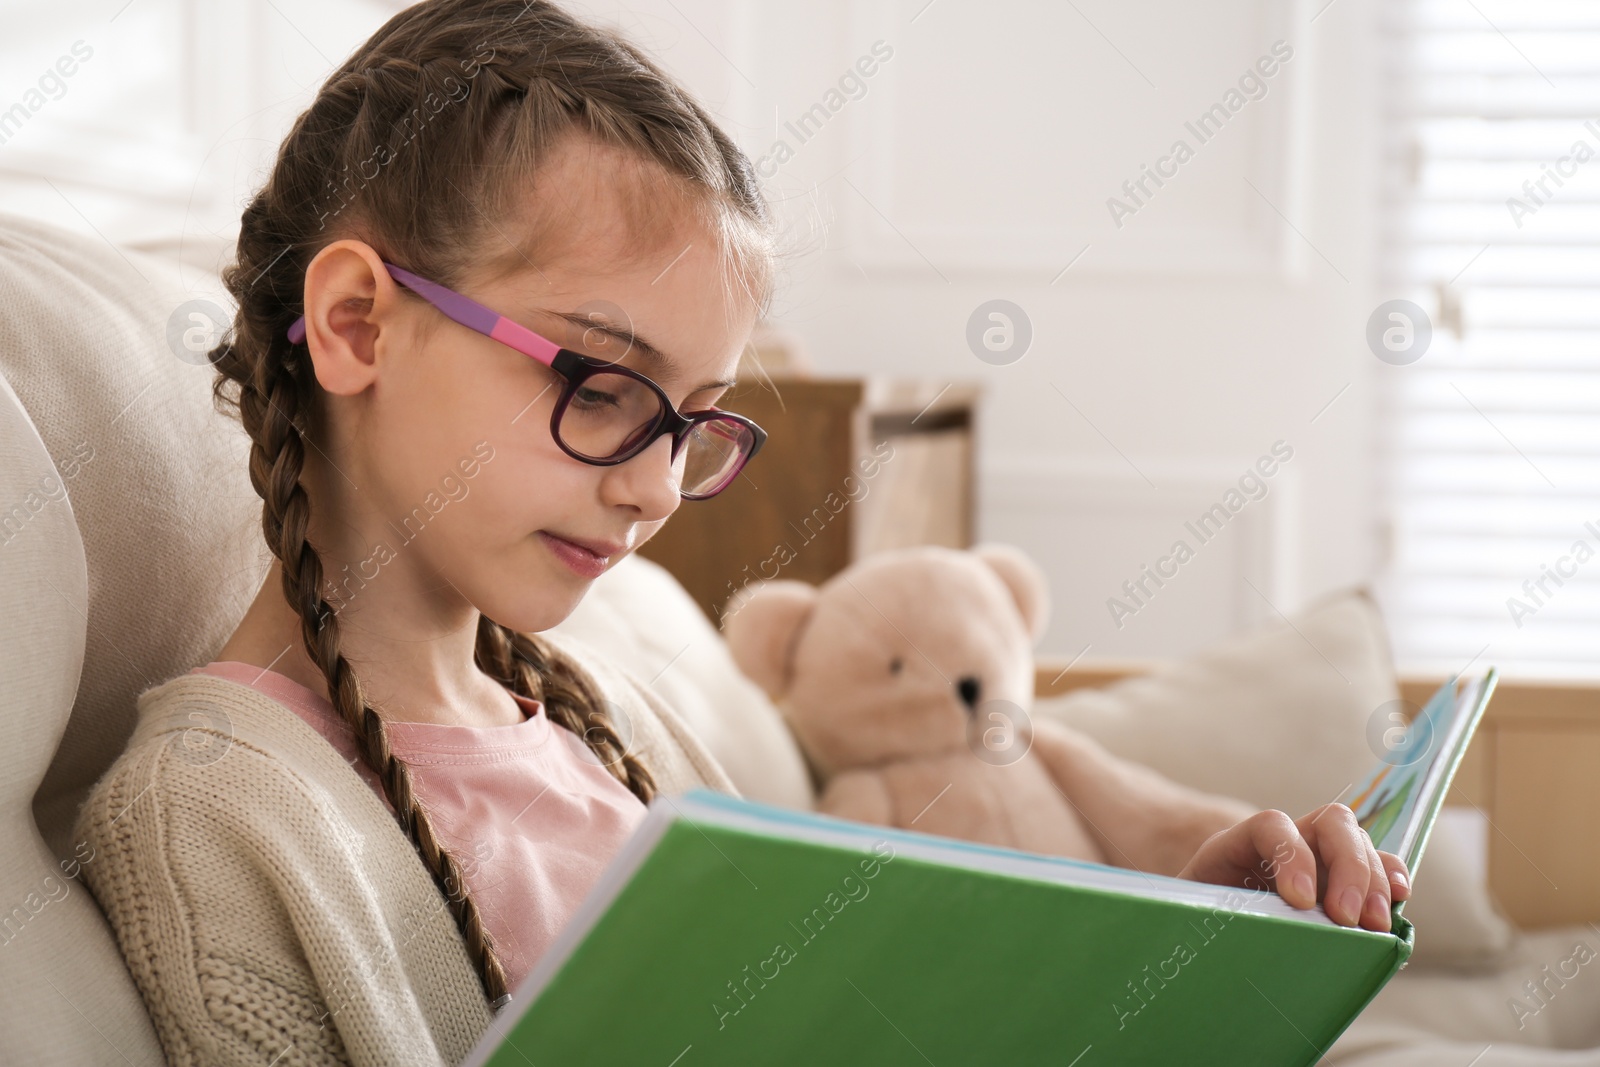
(907, 680)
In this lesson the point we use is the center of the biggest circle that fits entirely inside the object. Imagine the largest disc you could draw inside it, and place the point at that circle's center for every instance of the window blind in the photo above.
(1491, 439)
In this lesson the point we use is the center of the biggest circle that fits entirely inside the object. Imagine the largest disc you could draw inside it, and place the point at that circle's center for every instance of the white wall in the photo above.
(977, 165)
(1175, 351)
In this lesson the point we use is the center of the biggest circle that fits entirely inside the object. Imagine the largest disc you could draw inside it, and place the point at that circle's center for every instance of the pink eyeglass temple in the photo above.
(469, 313)
(474, 316)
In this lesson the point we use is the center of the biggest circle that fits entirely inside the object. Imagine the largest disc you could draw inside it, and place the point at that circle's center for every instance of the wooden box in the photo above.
(851, 466)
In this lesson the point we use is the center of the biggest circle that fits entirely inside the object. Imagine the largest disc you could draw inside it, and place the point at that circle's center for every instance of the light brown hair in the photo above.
(431, 131)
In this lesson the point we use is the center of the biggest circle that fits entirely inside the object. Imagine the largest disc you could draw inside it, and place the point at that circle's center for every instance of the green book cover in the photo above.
(729, 931)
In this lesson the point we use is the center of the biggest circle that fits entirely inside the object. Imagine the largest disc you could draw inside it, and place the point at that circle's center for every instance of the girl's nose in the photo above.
(649, 482)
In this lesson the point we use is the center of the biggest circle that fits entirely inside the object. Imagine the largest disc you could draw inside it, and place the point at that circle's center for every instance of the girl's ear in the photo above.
(348, 296)
(762, 624)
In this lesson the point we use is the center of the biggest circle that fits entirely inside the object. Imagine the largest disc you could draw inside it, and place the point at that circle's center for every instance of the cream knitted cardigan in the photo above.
(268, 904)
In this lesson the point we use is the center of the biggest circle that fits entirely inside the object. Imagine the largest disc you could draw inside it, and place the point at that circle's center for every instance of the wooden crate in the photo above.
(1530, 771)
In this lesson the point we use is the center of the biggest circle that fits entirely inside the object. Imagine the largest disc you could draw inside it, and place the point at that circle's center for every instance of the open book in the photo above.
(728, 931)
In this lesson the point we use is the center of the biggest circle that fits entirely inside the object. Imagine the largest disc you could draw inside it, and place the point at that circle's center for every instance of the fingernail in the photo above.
(1378, 905)
(1305, 888)
(1398, 878)
(1350, 903)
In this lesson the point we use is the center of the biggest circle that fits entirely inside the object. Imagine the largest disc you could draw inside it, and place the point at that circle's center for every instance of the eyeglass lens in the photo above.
(609, 414)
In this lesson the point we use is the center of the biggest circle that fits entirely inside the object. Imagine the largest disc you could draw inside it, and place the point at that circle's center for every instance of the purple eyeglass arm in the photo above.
(469, 313)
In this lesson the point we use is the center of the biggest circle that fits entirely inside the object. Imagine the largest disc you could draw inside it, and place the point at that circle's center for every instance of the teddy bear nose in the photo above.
(968, 688)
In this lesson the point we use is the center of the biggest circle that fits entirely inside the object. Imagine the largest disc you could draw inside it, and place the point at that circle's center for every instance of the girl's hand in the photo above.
(1324, 856)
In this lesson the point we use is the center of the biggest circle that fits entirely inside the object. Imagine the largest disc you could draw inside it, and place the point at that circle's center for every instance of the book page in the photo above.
(1398, 799)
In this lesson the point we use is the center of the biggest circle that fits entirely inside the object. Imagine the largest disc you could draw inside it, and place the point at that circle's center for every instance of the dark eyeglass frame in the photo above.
(576, 368)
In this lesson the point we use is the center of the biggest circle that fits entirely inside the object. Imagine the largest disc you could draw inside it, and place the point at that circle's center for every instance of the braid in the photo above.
(424, 135)
(529, 666)
(277, 455)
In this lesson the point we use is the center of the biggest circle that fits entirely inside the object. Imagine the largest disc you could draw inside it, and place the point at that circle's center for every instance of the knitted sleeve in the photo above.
(253, 923)
(219, 990)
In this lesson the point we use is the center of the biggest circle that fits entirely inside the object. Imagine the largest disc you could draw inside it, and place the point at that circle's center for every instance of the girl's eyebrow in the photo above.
(660, 366)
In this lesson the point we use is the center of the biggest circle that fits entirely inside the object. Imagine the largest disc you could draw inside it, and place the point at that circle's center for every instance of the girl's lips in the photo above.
(580, 560)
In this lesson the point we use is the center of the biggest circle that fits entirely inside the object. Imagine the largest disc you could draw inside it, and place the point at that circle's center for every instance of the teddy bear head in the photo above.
(896, 656)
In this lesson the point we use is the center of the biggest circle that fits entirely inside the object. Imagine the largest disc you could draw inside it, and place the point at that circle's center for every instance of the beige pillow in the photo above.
(59, 964)
(1279, 718)
(162, 497)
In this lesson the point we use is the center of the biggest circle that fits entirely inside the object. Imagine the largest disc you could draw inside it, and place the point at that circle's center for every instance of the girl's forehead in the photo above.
(598, 220)
(673, 312)
(601, 238)
(599, 208)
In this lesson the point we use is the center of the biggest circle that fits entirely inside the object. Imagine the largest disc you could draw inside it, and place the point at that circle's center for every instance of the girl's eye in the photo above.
(895, 665)
(594, 398)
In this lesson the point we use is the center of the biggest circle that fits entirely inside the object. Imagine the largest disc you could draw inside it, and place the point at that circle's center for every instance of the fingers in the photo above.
(1376, 916)
(1285, 858)
(1264, 851)
(1399, 876)
(1358, 883)
(1269, 850)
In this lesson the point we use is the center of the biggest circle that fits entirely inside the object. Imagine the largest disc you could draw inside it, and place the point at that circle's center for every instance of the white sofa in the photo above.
(129, 547)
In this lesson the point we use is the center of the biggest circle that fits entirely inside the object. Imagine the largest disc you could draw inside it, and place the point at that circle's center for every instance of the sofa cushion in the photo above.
(59, 964)
(169, 522)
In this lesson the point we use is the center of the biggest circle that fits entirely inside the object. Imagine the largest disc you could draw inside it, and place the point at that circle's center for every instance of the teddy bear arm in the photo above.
(1140, 818)
(859, 795)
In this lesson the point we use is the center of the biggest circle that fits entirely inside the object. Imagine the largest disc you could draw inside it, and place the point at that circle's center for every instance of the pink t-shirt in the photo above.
(528, 810)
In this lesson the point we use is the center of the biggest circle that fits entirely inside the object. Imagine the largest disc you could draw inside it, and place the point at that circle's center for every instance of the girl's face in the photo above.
(446, 484)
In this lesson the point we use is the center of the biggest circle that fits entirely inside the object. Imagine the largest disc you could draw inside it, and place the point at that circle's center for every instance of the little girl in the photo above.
(501, 273)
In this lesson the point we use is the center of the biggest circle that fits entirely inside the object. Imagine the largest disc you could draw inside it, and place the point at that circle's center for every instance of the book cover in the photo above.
(729, 931)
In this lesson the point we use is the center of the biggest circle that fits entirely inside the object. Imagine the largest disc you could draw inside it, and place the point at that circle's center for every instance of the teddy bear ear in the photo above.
(761, 625)
(1026, 580)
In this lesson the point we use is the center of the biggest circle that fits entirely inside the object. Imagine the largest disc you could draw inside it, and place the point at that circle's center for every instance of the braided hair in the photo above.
(429, 130)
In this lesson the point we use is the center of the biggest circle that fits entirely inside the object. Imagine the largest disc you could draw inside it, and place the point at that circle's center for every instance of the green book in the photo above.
(728, 931)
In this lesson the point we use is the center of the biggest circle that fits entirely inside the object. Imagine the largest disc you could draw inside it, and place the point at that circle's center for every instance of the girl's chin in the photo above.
(538, 606)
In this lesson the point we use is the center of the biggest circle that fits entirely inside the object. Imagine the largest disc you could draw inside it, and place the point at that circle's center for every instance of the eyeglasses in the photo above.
(607, 413)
